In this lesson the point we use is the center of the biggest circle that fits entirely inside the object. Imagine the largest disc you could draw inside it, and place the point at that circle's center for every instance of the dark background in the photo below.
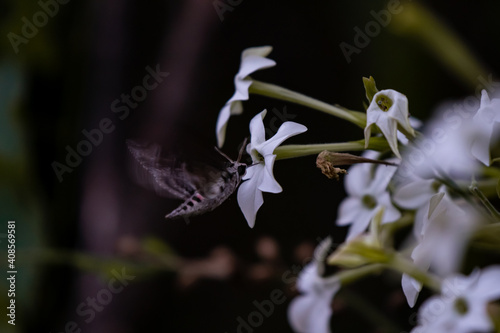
(65, 79)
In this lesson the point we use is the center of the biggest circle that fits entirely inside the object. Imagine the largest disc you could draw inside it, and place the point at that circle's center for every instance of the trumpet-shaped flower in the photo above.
(485, 118)
(367, 195)
(462, 305)
(445, 148)
(445, 231)
(416, 194)
(252, 60)
(310, 312)
(259, 176)
(387, 110)
(442, 234)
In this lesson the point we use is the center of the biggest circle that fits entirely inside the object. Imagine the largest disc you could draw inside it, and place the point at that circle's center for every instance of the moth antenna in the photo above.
(220, 152)
(240, 155)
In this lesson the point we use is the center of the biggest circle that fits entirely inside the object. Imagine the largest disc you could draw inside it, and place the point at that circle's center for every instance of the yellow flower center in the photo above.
(369, 201)
(383, 102)
(461, 306)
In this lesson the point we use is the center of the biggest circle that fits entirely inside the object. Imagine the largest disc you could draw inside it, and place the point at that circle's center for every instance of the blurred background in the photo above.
(94, 252)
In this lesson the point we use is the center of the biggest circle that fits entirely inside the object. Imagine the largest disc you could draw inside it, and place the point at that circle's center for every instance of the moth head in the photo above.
(237, 167)
(242, 169)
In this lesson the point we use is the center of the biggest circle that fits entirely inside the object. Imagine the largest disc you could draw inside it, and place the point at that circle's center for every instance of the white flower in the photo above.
(416, 195)
(445, 231)
(387, 109)
(442, 230)
(252, 59)
(411, 289)
(485, 118)
(367, 195)
(259, 177)
(445, 148)
(461, 307)
(310, 312)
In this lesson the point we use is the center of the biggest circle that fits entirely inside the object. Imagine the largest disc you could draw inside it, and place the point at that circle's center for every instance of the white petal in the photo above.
(358, 179)
(422, 257)
(446, 146)
(307, 315)
(368, 133)
(383, 176)
(389, 128)
(481, 150)
(485, 99)
(391, 214)
(311, 312)
(250, 198)
(388, 120)
(411, 289)
(360, 224)
(221, 125)
(253, 63)
(251, 171)
(231, 108)
(488, 285)
(348, 211)
(484, 120)
(299, 312)
(415, 194)
(241, 90)
(252, 59)
(308, 277)
(286, 130)
(261, 51)
(431, 312)
(257, 130)
(477, 320)
(399, 108)
(269, 183)
(420, 218)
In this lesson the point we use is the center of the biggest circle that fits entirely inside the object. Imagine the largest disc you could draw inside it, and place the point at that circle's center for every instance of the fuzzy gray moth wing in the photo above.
(165, 176)
(202, 187)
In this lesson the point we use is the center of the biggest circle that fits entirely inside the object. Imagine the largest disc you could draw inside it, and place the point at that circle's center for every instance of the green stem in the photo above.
(486, 203)
(443, 177)
(402, 265)
(491, 171)
(487, 238)
(348, 276)
(274, 91)
(291, 151)
(87, 262)
(487, 186)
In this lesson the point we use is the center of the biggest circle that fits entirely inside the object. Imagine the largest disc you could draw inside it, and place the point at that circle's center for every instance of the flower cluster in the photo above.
(433, 186)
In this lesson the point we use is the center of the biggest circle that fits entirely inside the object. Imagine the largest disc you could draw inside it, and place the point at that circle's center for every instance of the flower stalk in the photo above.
(403, 265)
(274, 91)
(291, 151)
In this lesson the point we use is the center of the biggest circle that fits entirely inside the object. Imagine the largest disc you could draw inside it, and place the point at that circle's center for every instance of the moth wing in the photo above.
(165, 176)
